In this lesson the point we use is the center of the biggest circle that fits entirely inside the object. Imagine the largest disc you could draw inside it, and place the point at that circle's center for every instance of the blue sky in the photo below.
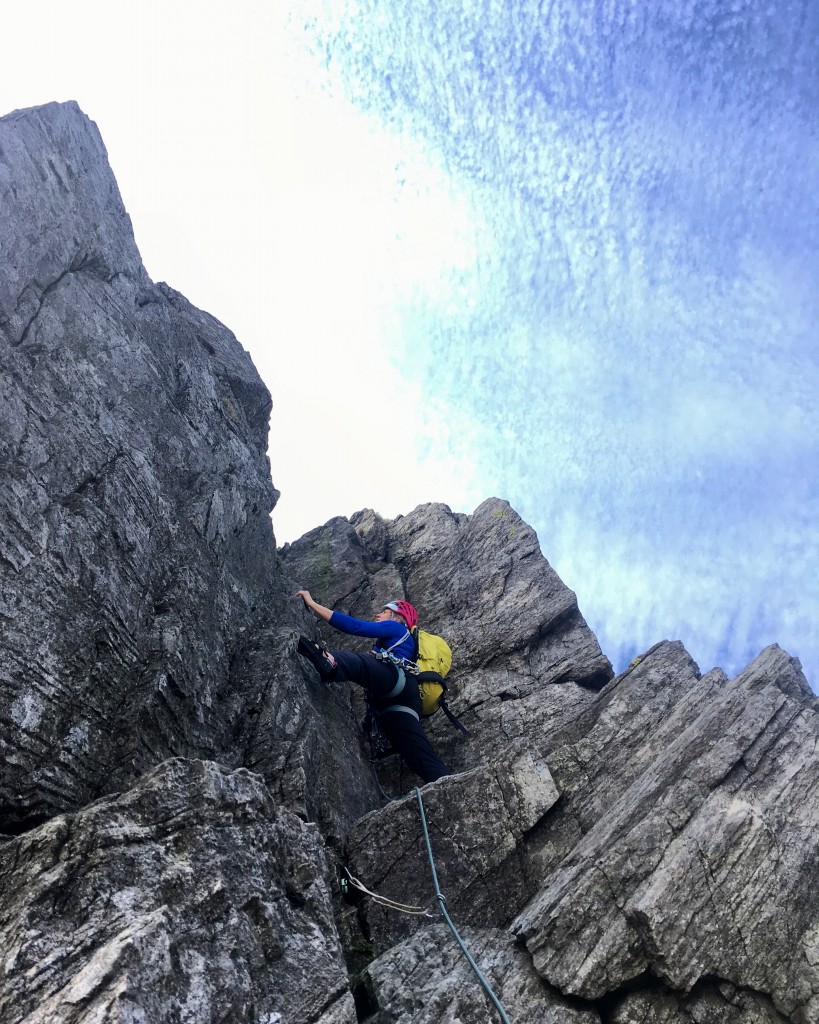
(636, 340)
(564, 254)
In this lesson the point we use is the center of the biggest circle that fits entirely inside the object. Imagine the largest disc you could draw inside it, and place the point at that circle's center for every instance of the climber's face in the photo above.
(385, 613)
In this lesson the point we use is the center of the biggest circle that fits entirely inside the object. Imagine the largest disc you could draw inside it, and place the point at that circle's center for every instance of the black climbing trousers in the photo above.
(404, 731)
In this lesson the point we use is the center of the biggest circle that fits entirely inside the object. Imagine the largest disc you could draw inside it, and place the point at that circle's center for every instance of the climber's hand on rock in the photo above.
(314, 606)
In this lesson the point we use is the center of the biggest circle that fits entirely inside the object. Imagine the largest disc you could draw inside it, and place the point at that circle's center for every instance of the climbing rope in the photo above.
(442, 902)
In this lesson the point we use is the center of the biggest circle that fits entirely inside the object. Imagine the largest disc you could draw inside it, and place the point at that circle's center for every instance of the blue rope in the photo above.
(442, 902)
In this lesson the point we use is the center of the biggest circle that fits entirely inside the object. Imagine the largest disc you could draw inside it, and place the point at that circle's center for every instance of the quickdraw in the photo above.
(351, 882)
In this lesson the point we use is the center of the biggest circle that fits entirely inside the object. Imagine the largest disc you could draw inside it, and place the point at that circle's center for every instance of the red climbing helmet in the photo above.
(406, 611)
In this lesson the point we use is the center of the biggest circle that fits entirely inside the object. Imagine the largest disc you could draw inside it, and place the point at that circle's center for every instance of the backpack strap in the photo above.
(442, 704)
(432, 677)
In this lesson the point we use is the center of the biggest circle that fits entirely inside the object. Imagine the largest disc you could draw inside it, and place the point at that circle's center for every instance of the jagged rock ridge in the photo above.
(178, 789)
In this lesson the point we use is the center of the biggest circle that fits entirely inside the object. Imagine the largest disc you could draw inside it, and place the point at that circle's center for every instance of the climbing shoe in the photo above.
(318, 655)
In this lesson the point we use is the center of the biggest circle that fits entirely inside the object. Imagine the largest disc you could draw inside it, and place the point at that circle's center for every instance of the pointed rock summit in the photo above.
(180, 794)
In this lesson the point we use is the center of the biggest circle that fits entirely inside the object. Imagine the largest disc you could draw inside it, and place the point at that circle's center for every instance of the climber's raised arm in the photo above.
(314, 606)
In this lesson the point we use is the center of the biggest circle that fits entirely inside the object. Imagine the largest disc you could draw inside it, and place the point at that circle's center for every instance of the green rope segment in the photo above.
(442, 903)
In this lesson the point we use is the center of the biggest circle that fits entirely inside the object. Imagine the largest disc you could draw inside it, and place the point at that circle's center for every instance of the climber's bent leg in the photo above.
(377, 677)
(407, 735)
(404, 731)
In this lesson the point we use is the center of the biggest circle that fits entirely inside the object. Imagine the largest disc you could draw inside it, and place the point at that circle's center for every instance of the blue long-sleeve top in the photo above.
(389, 635)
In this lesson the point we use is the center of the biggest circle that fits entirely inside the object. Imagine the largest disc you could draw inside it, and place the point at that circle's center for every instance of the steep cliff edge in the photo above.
(134, 516)
(178, 788)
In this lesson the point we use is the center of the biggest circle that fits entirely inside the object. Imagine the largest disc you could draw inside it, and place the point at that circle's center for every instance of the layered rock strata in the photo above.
(191, 897)
(135, 537)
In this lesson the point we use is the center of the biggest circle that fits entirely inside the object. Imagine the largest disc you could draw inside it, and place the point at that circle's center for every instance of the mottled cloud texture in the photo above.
(630, 353)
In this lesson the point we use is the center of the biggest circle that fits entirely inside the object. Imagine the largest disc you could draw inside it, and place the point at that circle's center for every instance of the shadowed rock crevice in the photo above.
(712, 999)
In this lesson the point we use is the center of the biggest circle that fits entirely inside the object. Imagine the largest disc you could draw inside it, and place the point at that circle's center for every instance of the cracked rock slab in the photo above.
(427, 980)
(476, 822)
(707, 864)
(190, 897)
(713, 1002)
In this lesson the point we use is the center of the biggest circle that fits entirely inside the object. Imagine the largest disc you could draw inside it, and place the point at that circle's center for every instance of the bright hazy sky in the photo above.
(563, 257)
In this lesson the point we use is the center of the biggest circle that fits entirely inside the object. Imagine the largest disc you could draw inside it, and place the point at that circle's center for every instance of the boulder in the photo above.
(190, 897)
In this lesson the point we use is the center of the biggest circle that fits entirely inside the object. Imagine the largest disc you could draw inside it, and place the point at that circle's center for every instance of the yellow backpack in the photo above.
(434, 660)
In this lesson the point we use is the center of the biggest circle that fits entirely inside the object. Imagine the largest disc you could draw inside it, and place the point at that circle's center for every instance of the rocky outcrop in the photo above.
(523, 653)
(179, 791)
(133, 431)
(478, 821)
(679, 875)
(191, 897)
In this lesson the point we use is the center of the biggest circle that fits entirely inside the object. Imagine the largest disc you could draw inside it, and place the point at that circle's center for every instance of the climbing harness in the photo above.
(442, 902)
(431, 687)
(405, 665)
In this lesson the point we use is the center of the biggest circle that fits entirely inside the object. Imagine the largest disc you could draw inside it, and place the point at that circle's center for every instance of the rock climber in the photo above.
(392, 690)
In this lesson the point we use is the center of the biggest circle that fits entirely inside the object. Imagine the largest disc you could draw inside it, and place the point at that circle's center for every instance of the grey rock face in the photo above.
(675, 847)
(426, 980)
(681, 875)
(177, 788)
(477, 823)
(191, 897)
(135, 541)
(62, 217)
(711, 1003)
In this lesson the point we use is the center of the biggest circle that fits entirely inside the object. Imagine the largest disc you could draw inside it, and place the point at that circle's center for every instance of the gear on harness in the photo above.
(380, 746)
(380, 750)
